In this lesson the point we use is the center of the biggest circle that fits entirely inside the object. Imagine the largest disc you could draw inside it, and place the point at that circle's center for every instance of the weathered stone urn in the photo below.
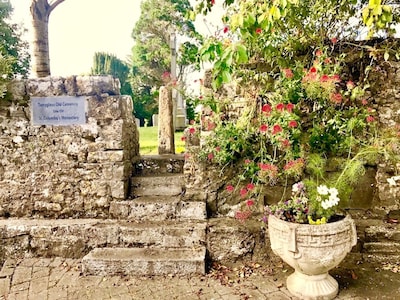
(312, 250)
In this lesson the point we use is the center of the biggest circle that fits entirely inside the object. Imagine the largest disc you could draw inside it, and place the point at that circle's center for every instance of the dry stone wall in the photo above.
(66, 171)
(385, 81)
(376, 195)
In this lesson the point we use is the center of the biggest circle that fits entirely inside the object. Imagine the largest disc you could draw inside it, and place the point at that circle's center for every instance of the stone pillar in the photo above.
(166, 144)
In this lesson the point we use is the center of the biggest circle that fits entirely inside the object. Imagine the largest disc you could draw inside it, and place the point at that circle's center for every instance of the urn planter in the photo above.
(312, 250)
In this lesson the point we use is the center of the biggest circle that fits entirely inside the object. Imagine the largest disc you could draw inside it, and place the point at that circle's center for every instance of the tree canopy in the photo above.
(109, 64)
(12, 48)
(277, 32)
(151, 54)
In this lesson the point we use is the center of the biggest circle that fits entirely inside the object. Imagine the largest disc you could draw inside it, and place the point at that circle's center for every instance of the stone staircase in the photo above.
(172, 235)
(380, 239)
(153, 232)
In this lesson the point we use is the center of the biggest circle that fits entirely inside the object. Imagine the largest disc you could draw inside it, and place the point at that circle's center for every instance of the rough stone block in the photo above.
(145, 208)
(195, 210)
(119, 209)
(144, 261)
(171, 185)
(113, 132)
(103, 233)
(169, 234)
(126, 105)
(18, 89)
(119, 189)
(47, 206)
(227, 242)
(45, 87)
(382, 233)
(105, 110)
(166, 123)
(105, 156)
(97, 85)
(159, 164)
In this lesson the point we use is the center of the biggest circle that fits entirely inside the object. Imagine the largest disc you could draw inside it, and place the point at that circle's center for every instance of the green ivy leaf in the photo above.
(226, 76)
(241, 56)
(250, 20)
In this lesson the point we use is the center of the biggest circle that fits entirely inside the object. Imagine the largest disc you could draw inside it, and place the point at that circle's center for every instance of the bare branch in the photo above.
(54, 4)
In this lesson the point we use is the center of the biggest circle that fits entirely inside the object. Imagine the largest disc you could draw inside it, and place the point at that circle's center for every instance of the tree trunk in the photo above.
(40, 11)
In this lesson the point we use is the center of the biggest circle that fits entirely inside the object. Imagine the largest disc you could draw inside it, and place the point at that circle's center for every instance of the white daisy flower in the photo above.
(322, 190)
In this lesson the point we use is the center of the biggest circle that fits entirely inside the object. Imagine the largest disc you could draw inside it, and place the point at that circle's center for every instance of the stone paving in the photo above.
(61, 279)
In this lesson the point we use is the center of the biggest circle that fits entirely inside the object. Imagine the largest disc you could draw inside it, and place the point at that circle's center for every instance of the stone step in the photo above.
(160, 185)
(382, 232)
(389, 248)
(74, 238)
(157, 209)
(159, 164)
(381, 258)
(144, 261)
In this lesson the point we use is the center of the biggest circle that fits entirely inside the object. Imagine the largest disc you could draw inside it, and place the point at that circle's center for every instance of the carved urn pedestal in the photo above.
(312, 250)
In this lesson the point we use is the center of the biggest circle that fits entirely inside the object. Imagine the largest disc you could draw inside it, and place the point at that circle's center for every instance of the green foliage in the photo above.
(225, 56)
(144, 103)
(379, 17)
(151, 54)
(108, 64)
(316, 166)
(306, 110)
(277, 33)
(228, 143)
(5, 72)
(12, 48)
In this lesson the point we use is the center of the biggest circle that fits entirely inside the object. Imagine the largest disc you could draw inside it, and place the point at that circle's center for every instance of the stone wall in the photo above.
(385, 80)
(66, 171)
(373, 196)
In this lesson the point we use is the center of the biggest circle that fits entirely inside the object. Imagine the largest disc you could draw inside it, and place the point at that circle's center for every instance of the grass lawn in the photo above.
(148, 139)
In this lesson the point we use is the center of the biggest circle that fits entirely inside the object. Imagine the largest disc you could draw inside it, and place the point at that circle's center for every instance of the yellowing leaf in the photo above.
(192, 15)
(387, 8)
(236, 21)
(275, 12)
(377, 10)
(365, 14)
(386, 56)
(261, 18)
(369, 21)
(374, 2)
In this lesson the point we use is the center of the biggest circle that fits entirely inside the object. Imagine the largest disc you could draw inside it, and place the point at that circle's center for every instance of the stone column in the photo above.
(166, 144)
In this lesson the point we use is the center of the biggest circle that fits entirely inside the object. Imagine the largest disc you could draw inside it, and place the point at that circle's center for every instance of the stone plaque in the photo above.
(63, 110)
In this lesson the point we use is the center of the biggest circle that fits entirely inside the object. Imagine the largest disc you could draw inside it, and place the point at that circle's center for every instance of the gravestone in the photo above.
(155, 120)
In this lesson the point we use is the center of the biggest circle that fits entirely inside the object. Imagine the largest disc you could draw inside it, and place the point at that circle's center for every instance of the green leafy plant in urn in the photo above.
(308, 234)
